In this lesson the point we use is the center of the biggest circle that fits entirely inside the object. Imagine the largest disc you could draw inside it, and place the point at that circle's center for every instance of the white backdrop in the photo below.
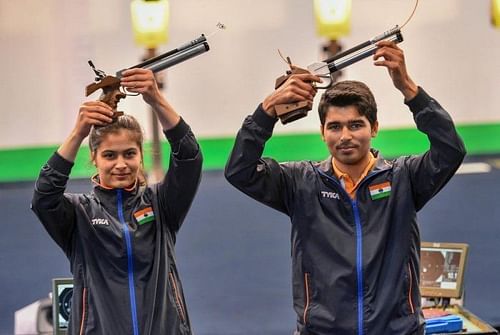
(451, 49)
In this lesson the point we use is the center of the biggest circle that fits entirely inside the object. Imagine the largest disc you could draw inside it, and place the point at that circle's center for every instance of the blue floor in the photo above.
(234, 254)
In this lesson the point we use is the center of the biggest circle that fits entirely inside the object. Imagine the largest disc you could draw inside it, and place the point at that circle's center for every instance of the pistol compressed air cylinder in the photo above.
(173, 57)
(362, 50)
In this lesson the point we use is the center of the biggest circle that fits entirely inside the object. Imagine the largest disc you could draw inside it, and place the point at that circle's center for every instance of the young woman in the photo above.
(120, 237)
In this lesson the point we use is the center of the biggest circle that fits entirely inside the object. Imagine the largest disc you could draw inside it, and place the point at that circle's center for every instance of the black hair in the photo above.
(349, 93)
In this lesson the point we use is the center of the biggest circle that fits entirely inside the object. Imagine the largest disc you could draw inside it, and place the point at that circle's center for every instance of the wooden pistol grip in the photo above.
(111, 94)
(107, 81)
(292, 111)
(281, 80)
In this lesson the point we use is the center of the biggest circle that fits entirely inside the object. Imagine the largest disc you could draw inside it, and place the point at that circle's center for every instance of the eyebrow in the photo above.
(348, 122)
(125, 150)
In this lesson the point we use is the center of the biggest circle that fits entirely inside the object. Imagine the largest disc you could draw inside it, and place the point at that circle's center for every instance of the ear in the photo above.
(322, 131)
(92, 159)
(375, 129)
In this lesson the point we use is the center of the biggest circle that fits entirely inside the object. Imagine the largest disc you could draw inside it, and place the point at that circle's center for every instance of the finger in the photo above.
(136, 75)
(138, 78)
(294, 97)
(304, 85)
(388, 64)
(299, 93)
(389, 44)
(92, 103)
(138, 84)
(384, 58)
(308, 77)
(96, 107)
(135, 71)
(138, 87)
(388, 53)
(95, 122)
(307, 86)
(392, 52)
(96, 118)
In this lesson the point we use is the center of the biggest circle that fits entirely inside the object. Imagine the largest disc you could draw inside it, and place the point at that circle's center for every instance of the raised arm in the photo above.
(389, 55)
(53, 208)
(430, 171)
(264, 179)
(91, 113)
(142, 81)
(177, 190)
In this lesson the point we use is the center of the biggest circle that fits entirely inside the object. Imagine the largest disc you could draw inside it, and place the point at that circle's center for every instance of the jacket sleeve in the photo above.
(176, 192)
(263, 179)
(432, 170)
(51, 205)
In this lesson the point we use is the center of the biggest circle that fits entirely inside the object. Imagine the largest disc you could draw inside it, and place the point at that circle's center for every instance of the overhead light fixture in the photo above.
(333, 18)
(495, 13)
(150, 22)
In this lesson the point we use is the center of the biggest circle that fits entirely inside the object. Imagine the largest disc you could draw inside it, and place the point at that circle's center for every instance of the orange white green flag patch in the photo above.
(144, 215)
(380, 191)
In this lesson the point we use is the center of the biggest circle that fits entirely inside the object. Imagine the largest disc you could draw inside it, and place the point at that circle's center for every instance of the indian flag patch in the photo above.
(144, 215)
(380, 191)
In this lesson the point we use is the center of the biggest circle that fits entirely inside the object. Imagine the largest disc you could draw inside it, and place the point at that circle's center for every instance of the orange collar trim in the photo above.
(96, 181)
(347, 181)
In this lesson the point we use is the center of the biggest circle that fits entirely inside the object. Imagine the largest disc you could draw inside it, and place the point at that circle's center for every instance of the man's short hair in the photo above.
(349, 93)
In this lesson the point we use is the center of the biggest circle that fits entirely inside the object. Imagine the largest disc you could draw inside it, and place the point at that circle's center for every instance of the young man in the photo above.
(355, 240)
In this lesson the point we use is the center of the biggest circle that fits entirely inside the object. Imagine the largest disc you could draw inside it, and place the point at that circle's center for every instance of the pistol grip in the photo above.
(111, 93)
(108, 81)
(292, 111)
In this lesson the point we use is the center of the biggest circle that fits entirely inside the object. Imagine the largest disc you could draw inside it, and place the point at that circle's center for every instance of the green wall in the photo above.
(22, 164)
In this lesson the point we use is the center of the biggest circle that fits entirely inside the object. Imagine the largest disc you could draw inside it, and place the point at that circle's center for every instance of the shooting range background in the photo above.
(451, 50)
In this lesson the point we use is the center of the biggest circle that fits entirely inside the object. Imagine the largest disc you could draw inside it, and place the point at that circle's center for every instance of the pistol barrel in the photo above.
(173, 57)
(362, 50)
(177, 58)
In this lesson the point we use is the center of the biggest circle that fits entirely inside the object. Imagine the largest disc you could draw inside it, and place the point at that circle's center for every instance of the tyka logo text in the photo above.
(330, 195)
(100, 222)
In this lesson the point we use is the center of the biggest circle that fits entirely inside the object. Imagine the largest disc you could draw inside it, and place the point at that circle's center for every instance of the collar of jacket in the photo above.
(98, 188)
(326, 167)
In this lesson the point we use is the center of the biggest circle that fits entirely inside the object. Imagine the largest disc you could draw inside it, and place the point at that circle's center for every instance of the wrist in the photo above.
(268, 106)
(153, 98)
(77, 136)
(69, 149)
(409, 91)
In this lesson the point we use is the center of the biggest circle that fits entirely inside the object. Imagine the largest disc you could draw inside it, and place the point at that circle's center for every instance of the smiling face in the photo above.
(348, 136)
(118, 159)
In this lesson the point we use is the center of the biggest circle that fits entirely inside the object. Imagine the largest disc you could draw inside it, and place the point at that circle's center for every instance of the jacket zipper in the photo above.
(178, 300)
(359, 265)
(130, 262)
(359, 246)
